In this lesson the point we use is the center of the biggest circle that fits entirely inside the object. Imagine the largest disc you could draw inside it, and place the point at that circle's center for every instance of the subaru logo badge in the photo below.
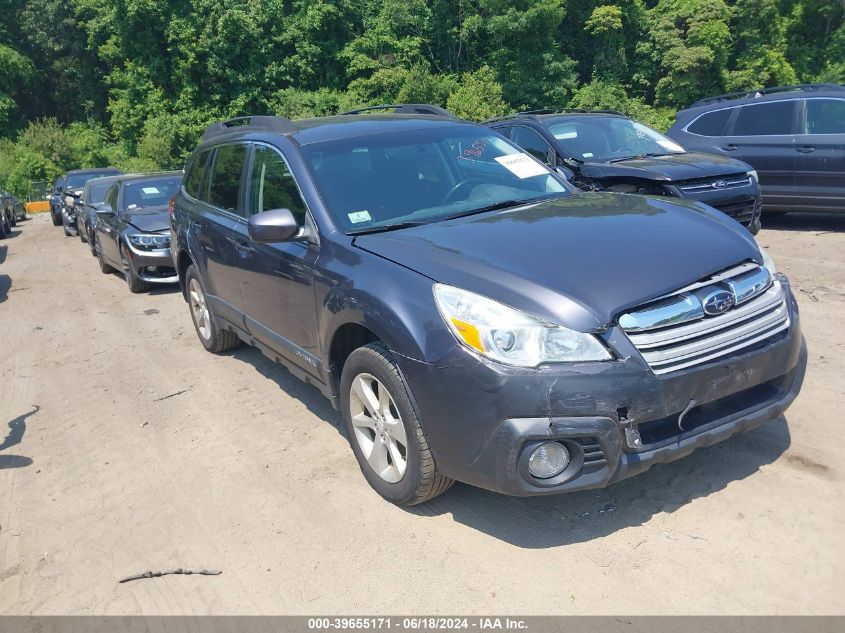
(720, 184)
(718, 301)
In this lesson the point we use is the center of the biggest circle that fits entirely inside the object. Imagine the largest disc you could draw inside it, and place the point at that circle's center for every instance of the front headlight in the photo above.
(150, 241)
(753, 175)
(768, 262)
(509, 336)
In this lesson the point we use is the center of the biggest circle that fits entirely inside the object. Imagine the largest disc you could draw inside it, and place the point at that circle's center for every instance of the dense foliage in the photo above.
(133, 82)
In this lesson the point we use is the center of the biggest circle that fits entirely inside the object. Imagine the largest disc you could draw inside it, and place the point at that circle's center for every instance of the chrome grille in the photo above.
(710, 184)
(676, 332)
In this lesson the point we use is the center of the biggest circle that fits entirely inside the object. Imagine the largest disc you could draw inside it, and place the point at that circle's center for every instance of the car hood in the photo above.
(673, 167)
(578, 261)
(148, 219)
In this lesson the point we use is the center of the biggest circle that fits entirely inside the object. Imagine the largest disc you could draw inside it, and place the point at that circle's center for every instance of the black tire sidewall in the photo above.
(366, 360)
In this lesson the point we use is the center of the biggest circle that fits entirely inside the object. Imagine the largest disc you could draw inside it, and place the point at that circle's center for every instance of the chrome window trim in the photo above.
(733, 107)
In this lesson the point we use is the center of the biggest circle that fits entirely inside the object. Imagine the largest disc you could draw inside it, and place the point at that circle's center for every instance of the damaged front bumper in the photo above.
(616, 418)
(153, 266)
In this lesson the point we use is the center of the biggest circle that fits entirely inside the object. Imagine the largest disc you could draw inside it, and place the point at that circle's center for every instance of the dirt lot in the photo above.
(127, 447)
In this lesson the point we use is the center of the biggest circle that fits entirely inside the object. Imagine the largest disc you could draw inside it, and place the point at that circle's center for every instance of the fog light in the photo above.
(548, 460)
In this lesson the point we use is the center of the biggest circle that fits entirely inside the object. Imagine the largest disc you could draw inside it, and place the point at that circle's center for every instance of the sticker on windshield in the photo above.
(521, 165)
(359, 216)
(151, 191)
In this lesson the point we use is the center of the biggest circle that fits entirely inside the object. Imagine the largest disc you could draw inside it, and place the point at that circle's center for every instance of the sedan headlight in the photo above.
(753, 175)
(509, 336)
(150, 241)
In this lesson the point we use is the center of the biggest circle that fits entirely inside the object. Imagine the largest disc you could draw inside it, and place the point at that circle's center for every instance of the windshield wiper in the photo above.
(496, 206)
(646, 155)
(387, 227)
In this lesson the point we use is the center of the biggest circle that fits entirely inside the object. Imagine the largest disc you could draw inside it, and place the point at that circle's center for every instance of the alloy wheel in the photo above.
(199, 309)
(378, 428)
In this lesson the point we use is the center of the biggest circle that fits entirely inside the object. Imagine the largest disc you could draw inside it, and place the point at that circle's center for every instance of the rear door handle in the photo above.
(806, 149)
(730, 147)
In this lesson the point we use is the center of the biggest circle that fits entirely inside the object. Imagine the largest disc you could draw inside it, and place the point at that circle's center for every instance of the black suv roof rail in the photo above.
(277, 124)
(516, 115)
(407, 108)
(766, 91)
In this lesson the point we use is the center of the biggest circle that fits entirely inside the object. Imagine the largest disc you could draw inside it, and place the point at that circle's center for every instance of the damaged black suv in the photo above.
(605, 150)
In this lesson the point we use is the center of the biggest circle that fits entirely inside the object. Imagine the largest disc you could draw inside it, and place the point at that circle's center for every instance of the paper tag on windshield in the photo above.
(359, 216)
(150, 191)
(521, 165)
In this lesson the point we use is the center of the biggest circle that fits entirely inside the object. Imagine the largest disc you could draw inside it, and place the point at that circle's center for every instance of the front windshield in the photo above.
(77, 181)
(603, 138)
(150, 192)
(423, 176)
(97, 191)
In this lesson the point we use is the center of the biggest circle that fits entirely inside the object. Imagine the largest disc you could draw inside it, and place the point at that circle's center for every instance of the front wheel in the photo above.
(384, 429)
(57, 220)
(135, 283)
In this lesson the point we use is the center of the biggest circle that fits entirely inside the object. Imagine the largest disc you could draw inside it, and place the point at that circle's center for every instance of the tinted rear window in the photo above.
(226, 177)
(194, 176)
(765, 119)
(712, 123)
(825, 116)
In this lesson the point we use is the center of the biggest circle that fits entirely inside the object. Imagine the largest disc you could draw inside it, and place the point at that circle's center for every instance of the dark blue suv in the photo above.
(472, 315)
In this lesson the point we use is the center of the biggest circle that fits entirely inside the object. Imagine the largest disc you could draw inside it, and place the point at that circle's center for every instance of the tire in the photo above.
(56, 221)
(212, 338)
(3, 234)
(13, 221)
(80, 229)
(104, 267)
(135, 283)
(67, 232)
(420, 480)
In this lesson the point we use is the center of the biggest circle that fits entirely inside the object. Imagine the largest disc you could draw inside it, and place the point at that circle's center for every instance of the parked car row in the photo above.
(472, 313)
(12, 210)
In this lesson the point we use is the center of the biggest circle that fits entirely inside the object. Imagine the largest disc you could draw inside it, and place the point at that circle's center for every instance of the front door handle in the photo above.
(244, 249)
(806, 149)
(730, 147)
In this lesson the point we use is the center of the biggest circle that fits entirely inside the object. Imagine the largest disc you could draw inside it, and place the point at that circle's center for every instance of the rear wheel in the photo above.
(135, 283)
(57, 220)
(104, 267)
(212, 338)
(384, 429)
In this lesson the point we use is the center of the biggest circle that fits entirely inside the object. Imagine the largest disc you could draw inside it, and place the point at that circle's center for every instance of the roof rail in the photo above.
(407, 108)
(553, 111)
(277, 124)
(745, 94)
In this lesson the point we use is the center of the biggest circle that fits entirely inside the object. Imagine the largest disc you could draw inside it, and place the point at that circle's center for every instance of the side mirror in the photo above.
(104, 209)
(277, 225)
(565, 172)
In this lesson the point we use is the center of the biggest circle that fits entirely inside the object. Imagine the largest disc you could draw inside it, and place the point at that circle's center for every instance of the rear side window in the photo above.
(226, 177)
(765, 119)
(531, 142)
(825, 116)
(711, 124)
(272, 185)
(194, 176)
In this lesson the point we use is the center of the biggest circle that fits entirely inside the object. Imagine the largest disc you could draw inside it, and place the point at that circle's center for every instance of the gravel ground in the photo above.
(127, 447)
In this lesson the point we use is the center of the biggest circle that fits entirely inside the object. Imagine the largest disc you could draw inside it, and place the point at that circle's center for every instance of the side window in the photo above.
(111, 197)
(765, 119)
(194, 177)
(531, 142)
(272, 185)
(711, 124)
(226, 177)
(825, 116)
(504, 130)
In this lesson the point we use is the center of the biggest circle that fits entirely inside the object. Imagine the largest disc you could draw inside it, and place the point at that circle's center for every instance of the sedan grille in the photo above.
(712, 319)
